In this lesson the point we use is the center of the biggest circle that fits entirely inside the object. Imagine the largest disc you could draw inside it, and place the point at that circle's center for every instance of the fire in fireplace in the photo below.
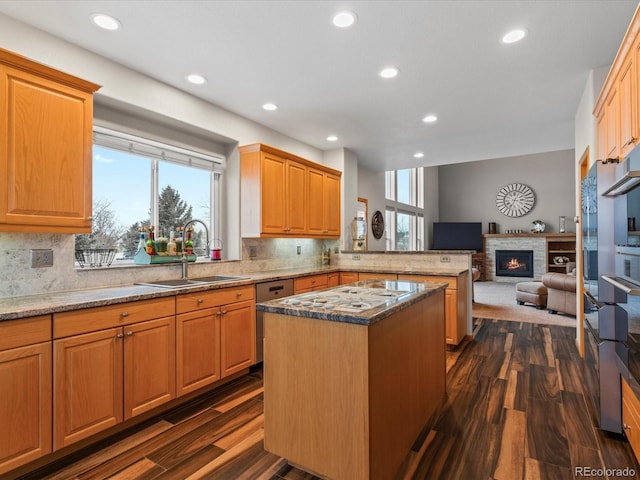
(514, 263)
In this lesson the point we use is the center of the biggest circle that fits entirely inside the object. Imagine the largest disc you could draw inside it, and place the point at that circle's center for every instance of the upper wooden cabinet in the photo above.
(617, 109)
(45, 148)
(284, 195)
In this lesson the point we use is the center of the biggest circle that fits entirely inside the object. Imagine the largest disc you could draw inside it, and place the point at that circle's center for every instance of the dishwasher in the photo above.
(265, 292)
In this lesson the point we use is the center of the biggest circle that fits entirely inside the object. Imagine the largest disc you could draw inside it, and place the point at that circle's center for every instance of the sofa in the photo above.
(561, 290)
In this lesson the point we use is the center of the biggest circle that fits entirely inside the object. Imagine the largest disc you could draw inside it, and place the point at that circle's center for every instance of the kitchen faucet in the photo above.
(185, 260)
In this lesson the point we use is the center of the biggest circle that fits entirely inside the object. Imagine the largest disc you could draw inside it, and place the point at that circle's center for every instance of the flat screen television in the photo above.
(457, 236)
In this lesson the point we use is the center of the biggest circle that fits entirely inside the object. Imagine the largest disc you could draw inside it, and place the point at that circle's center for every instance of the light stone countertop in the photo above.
(415, 292)
(12, 308)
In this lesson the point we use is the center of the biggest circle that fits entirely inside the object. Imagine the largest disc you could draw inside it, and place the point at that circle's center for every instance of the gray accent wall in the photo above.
(468, 191)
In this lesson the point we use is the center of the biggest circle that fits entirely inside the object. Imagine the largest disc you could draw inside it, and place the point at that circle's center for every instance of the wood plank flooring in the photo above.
(514, 409)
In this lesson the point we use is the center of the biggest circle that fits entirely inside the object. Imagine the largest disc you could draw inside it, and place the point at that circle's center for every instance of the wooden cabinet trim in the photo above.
(189, 302)
(25, 331)
(99, 318)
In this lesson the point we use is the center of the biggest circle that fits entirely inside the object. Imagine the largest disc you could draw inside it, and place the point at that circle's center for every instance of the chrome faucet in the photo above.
(185, 260)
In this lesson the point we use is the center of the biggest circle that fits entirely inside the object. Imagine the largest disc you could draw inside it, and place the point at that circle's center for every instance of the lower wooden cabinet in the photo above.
(631, 417)
(25, 401)
(348, 277)
(455, 303)
(377, 276)
(111, 374)
(310, 283)
(333, 279)
(237, 337)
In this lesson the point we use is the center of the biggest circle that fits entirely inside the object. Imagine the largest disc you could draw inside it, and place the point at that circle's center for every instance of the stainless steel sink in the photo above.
(217, 278)
(186, 282)
(182, 282)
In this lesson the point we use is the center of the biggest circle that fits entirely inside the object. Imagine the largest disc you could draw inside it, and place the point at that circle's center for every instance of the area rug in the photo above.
(497, 300)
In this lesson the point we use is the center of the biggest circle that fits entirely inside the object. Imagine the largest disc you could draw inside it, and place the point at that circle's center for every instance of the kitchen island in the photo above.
(352, 375)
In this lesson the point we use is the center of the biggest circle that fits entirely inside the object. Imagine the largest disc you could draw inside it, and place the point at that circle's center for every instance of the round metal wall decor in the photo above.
(515, 200)
(377, 224)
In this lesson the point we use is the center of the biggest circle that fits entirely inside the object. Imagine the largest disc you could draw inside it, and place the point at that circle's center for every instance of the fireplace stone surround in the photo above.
(518, 241)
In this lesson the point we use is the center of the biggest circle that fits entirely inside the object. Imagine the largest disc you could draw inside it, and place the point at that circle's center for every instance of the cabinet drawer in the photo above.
(377, 276)
(26, 331)
(310, 282)
(99, 318)
(631, 417)
(452, 281)
(190, 302)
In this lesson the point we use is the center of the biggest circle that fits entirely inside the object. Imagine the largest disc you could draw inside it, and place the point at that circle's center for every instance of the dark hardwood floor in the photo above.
(514, 409)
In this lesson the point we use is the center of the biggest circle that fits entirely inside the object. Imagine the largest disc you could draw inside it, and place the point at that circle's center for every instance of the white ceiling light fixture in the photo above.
(418, 155)
(514, 35)
(429, 118)
(106, 22)
(389, 72)
(332, 138)
(344, 19)
(270, 107)
(196, 79)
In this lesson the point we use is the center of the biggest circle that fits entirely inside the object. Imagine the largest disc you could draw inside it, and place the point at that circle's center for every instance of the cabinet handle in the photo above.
(120, 335)
(626, 427)
(633, 140)
(224, 312)
(238, 294)
(90, 219)
(200, 300)
(129, 333)
(124, 314)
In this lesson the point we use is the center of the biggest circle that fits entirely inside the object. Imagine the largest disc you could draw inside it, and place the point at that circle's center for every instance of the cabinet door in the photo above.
(332, 205)
(601, 134)
(87, 385)
(198, 349)
(316, 202)
(25, 405)
(613, 117)
(333, 279)
(626, 84)
(237, 337)
(149, 365)
(45, 154)
(274, 205)
(348, 277)
(296, 198)
(451, 314)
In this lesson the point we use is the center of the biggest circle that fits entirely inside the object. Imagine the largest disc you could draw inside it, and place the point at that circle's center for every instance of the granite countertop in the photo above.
(12, 308)
(405, 294)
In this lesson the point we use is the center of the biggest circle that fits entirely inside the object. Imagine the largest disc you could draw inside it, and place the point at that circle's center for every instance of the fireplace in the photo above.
(514, 263)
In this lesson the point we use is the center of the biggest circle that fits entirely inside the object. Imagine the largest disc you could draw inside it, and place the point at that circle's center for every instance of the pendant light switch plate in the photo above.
(41, 257)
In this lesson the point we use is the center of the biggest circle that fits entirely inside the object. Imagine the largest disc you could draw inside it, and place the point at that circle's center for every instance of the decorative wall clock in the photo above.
(377, 225)
(515, 200)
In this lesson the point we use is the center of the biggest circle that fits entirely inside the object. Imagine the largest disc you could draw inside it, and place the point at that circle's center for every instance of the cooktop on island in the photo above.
(346, 299)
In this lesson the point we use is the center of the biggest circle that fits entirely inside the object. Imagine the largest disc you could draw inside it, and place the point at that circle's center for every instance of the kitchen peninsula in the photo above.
(352, 375)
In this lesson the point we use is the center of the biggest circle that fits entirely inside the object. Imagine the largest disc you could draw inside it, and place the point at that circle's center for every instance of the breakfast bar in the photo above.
(352, 375)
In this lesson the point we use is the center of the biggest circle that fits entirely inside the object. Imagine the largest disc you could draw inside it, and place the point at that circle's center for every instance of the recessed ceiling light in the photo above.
(389, 72)
(105, 21)
(270, 106)
(418, 155)
(332, 138)
(196, 79)
(429, 119)
(514, 36)
(344, 19)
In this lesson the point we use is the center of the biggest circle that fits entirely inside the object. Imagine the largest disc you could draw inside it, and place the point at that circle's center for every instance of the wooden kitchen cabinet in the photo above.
(110, 364)
(45, 148)
(216, 335)
(377, 276)
(324, 203)
(25, 382)
(455, 303)
(283, 195)
(333, 279)
(631, 417)
(628, 135)
(348, 277)
(310, 283)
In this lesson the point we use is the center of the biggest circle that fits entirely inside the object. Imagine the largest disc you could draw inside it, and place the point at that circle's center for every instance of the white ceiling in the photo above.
(492, 100)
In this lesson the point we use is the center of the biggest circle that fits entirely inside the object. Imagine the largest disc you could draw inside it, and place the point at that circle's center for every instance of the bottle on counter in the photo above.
(171, 246)
(142, 243)
(151, 243)
(188, 244)
(179, 244)
(161, 244)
